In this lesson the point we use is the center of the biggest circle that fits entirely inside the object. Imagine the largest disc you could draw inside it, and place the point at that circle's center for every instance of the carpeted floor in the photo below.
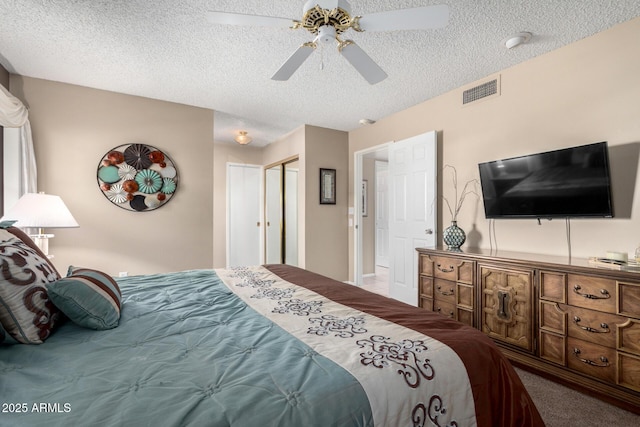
(563, 407)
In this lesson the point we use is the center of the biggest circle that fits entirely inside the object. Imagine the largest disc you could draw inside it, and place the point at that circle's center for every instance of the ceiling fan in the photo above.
(329, 19)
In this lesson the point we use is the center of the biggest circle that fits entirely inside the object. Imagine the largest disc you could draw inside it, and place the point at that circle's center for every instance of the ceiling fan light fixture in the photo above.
(242, 138)
(326, 34)
(517, 40)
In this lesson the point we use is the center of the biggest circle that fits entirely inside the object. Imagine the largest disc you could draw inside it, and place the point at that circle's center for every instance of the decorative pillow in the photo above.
(89, 298)
(25, 310)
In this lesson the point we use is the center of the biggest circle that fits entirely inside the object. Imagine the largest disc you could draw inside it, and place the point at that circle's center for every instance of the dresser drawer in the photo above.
(597, 293)
(445, 268)
(426, 265)
(426, 303)
(426, 287)
(553, 286)
(593, 326)
(444, 290)
(629, 337)
(452, 269)
(445, 308)
(629, 371)
(592, 359)
(629, 299)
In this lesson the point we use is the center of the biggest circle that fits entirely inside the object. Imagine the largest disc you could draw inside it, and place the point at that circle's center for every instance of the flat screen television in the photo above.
(568, 183)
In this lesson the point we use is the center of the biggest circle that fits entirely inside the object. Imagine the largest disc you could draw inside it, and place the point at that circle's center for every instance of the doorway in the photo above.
(411, 191)
(374, 230)
(368, 206)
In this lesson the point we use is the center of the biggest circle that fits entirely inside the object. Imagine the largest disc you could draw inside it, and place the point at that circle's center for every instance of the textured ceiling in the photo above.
(166, 49)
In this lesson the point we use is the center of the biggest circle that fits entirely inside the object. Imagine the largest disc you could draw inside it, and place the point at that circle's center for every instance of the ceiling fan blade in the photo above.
(362, 62)
(294, 62)
(227, 18)
(417, 18)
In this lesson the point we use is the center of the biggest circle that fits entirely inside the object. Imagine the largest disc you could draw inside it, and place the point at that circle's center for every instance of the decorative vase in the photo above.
(454, 236)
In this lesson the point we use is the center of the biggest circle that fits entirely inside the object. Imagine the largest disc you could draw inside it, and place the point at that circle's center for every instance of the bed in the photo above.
(269, 345)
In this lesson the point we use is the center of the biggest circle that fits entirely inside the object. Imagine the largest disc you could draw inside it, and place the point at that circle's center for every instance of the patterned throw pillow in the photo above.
(89, 298)
(25, 310)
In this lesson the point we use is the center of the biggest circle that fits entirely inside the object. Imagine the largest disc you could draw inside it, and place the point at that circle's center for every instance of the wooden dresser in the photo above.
(564, 319)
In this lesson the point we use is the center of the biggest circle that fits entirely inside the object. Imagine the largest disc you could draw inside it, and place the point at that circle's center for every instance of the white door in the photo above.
(412, 222)
(382, 213)
(273, 206)
(244, 204)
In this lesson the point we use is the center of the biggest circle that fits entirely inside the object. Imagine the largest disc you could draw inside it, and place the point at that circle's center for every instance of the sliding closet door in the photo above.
(244, 228)
(273, 214)
(291, 213)
(281, 212)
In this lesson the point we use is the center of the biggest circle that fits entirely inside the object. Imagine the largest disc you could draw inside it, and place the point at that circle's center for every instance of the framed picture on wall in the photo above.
(365, 211)
(327, 186)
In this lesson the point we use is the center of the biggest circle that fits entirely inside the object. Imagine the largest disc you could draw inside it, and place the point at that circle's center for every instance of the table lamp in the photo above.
(39, 210)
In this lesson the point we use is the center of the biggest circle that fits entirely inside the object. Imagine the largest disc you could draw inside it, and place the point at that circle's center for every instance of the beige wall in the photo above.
(73, 127)
(327, 225)
(583, 93)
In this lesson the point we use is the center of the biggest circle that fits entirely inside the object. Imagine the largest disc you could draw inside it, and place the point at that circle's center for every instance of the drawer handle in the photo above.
(604, 360)
(503, 301)
(444, 293)
(445, 270)
(439, 310)
(605, 328)
(605, 293)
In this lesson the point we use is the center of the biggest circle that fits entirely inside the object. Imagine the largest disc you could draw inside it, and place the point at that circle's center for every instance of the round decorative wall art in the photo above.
(137, 177)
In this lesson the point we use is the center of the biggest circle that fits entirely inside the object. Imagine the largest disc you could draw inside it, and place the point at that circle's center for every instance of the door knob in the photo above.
(428, 231)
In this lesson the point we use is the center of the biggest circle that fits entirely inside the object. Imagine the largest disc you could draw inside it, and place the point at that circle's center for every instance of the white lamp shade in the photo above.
(39, 210)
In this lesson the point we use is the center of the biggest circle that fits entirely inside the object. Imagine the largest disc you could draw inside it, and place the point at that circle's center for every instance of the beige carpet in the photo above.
(563, 407)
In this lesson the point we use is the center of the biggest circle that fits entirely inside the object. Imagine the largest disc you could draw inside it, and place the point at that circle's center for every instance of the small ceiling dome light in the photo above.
(517, 39)
(366, 121)
(243, 138)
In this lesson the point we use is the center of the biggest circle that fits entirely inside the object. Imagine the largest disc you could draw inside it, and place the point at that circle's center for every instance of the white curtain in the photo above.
(13, 114)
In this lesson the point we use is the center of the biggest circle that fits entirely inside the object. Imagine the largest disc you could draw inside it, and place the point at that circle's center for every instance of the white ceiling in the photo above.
(166, 49)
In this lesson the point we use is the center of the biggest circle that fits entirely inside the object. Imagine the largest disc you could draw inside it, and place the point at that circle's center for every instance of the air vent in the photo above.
(481, 91)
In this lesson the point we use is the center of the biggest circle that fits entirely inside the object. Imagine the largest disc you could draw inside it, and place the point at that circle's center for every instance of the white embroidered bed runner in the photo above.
(410, 379)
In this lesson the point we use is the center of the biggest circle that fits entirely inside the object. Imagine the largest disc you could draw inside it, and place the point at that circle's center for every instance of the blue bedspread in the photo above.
(187, 352)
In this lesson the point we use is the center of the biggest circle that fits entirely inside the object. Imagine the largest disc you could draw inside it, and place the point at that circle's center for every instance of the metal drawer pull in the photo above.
(444, 270)
(604, 360)
(444, 293)
(605, 328)
(605, 293)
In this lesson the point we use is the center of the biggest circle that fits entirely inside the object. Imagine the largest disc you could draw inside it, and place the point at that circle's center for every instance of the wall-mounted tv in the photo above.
(566, 183)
